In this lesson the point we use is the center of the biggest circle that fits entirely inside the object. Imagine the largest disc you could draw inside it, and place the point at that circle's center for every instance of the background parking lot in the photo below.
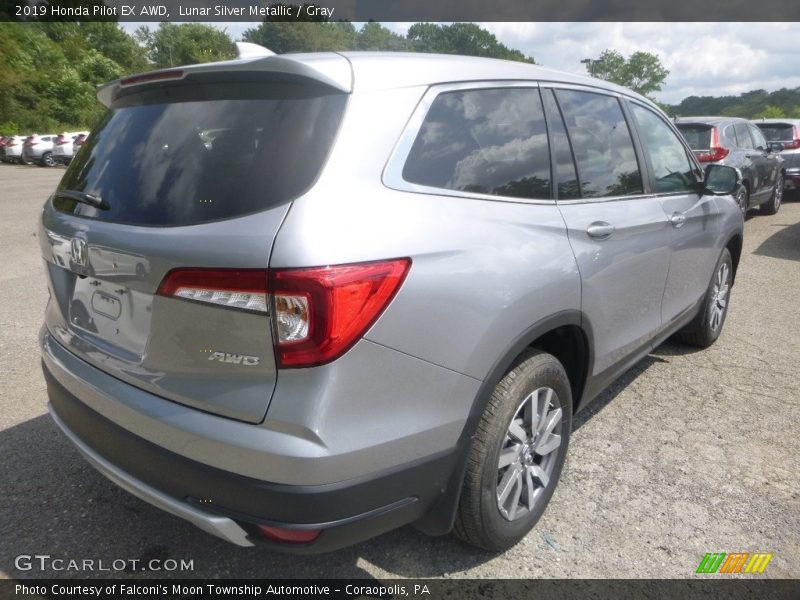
(690, 452)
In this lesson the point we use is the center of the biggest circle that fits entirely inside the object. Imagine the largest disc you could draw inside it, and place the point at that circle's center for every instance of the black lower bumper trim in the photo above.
(350, 511)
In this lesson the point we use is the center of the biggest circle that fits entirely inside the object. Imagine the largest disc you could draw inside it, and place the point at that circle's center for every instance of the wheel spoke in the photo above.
(547, 444)
(509, 455)
(529, 485)
(506, 485)
(542, 404)
(539, 474)
(516, 431)
(512, 511)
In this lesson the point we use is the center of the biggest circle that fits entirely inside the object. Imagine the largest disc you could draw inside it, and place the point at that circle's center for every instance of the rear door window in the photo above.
(602, 144)
(483, 141)
(758, 138)
(202, 152)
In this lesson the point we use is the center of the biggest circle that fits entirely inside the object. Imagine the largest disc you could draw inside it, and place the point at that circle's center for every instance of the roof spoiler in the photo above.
(245, 50)
(327, 68)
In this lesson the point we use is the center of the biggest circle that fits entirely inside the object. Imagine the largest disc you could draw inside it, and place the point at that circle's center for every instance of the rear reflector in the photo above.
(148, 77)
(291, 536)
(321, 312)
(243, 289)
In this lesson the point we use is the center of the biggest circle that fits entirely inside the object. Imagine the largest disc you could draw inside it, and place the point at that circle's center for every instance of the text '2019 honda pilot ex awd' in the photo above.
(303, 300)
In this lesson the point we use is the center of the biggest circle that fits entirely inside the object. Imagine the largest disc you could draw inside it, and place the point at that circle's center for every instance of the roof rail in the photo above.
(248, 50)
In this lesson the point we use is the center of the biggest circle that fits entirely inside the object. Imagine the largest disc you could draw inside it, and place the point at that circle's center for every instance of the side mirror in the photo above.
(775, 147)
(721, 180)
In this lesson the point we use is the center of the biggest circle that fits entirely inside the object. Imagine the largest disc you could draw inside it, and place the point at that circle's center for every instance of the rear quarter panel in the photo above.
(483, 271)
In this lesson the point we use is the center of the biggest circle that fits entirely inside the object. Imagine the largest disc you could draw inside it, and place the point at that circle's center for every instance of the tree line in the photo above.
(49, 71)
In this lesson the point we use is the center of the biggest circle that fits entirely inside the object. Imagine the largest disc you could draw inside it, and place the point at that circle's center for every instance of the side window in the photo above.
(758, 138)
(671, 166)
(602, 144)
(489, 141)
(743, 136)
(565, 174)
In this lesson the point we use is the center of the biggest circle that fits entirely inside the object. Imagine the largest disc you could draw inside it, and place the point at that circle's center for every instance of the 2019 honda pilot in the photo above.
(376, 295)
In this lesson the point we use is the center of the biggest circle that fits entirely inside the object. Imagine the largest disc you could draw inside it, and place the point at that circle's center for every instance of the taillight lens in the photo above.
(318, 312)
(791, 145)
(716, 152)
(321, 312)
(245, 289)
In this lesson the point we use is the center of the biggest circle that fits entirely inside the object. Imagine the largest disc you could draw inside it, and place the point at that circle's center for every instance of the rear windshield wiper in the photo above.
(83, 197)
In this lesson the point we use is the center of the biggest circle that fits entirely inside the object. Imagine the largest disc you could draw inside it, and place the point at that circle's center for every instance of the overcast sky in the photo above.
(704, 59)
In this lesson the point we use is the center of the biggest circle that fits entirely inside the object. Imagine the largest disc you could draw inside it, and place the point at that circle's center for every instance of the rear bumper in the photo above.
(230, 505)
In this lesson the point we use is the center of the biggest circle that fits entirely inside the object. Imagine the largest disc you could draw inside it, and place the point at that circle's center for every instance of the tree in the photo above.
(771, 112)
(306, 33)
(374, 36)
(460, 38)
(185, 44)
(642, 72)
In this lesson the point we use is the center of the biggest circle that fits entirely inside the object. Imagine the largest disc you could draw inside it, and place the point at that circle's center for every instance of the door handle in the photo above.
(677, 219)
(600, 230)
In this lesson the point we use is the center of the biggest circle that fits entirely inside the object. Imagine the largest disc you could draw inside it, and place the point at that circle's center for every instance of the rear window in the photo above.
(196, 153)
(777, 132)
(697, 136)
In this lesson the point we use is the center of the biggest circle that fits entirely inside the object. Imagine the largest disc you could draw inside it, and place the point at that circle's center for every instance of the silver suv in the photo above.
(376, 295)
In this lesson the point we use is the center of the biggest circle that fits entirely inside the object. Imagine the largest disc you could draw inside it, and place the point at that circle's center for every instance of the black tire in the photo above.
(743, 200)
(772, 206)
(479, 520)
(701, 332)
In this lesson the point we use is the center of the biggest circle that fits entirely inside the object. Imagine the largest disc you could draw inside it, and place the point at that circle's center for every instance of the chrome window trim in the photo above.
(393, 171)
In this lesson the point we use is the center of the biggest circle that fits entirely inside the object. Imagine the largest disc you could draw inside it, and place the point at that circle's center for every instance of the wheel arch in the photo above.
(734, 246)
(568, 336)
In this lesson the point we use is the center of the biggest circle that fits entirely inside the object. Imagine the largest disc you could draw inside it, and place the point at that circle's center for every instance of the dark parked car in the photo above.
(738, 143)
(787, 133)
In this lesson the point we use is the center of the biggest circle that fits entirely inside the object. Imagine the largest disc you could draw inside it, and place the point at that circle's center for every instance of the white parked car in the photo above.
(64, 146)
(39, 149)
(12, 150)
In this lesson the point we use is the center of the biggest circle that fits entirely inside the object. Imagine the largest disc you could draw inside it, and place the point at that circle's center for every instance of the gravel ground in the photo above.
(690, 452)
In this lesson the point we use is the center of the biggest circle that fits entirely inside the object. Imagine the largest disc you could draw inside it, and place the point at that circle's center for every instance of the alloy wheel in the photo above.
(719, 296)
(741, 200)
(779, 192)
(529, 453)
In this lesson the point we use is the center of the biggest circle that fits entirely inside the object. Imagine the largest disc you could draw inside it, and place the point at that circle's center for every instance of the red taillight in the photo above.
(147, 77)
(791, 145)
(321, 312)
(716, 152)
(291, 536)
(245, 289)
(318, 312)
